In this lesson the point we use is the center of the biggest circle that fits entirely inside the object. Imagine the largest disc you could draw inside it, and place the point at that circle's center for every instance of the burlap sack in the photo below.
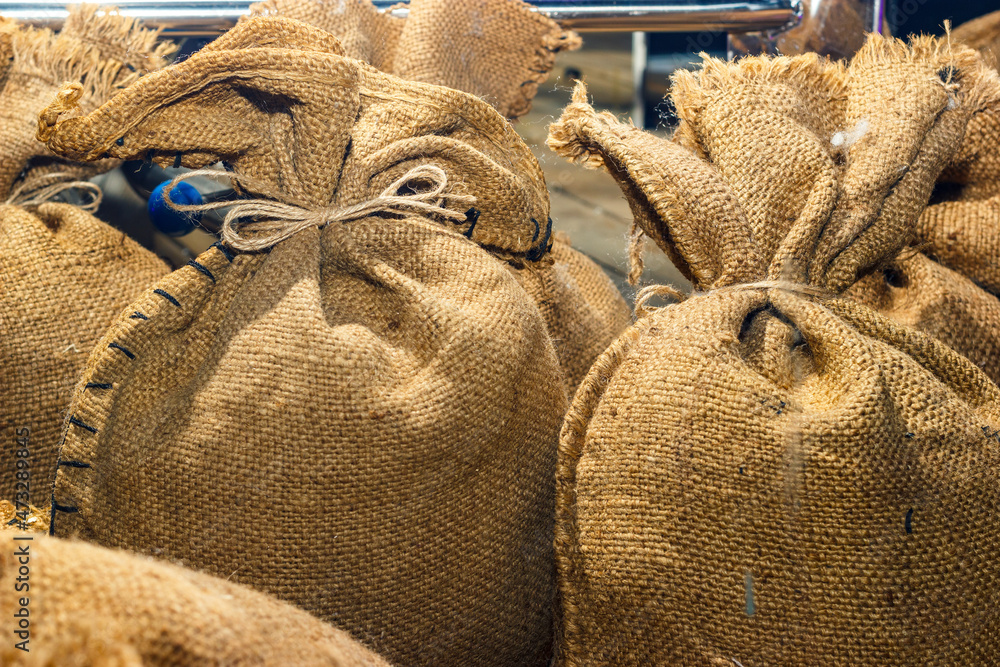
(961, 227)
(583, 310)
(90, 606)
(361, 420)
(498, 50)
(913, 289)
(64, 275)
(770, 473)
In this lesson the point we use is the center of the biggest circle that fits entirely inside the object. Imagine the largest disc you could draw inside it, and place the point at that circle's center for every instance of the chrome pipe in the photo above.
(192, 18)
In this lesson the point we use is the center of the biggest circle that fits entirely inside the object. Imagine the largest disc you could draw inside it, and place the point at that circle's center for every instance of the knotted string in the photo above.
(270, 221)
(651, 291)
(46, 187)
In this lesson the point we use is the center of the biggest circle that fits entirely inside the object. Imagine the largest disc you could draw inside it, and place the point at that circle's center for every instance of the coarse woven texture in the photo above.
(64, 278)
(64, 275)
(363, 420)
(93, 607)
(961, 227)
(833, 110)
(497, 50)
(583, 310)
(770, 473)
(106, 52)
(922, 294)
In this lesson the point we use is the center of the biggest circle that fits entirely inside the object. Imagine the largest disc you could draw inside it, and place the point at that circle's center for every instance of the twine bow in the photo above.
(270, 222)
(44, 188)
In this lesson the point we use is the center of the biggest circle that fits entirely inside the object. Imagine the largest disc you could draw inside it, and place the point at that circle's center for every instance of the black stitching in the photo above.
(534, 237)
(127, 353)
(539, 251)
(177, 161)
(120, 141)
(201, 269)
(56, 507)
(168, 297)
(908, 523)
(472, 215)
(86, 427)
(72, 464)
(98, 385)
(226, 252)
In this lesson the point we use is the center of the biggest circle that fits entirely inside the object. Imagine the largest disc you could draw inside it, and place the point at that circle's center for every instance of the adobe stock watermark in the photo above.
(22, 543)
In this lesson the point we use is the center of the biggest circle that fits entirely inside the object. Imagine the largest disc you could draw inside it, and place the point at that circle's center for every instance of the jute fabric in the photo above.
(93, 607)
(370, 408)
(768, 472)
(961, 227)
(497, 50)
(64, 275)
(500, 51)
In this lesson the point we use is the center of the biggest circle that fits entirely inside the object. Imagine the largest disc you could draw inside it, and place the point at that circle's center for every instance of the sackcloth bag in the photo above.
(770, 472)
(64, 274)
(348, 403)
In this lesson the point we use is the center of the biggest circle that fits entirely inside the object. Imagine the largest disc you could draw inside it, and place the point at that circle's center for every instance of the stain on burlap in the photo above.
(500, 51)
(361, 420)
(770, 473)
(64, 274)
(93, 606)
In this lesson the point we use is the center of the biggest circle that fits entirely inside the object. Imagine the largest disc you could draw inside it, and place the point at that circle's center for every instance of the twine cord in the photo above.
(651, 291)
(270, 221)
(45, 188)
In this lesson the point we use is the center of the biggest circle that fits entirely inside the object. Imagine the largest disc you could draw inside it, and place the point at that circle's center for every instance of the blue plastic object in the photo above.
(170, 221)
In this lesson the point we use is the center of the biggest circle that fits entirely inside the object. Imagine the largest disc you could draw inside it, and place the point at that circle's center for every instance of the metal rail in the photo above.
(189, 18)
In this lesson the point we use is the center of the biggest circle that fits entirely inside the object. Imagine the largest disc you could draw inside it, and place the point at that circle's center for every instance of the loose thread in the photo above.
(45, 188)
(272, 221)
(636, 265)
(651, 291)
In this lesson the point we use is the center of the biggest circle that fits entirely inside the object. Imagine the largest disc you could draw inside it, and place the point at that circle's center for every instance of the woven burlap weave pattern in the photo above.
(583, 310)
(934, 299)
(770, 473)
(498, 50)
(363, 419)
(91, 607)
(961, 227)
(64, 275)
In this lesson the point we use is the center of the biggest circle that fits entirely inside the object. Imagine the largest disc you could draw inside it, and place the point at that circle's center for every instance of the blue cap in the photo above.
(170, 221)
